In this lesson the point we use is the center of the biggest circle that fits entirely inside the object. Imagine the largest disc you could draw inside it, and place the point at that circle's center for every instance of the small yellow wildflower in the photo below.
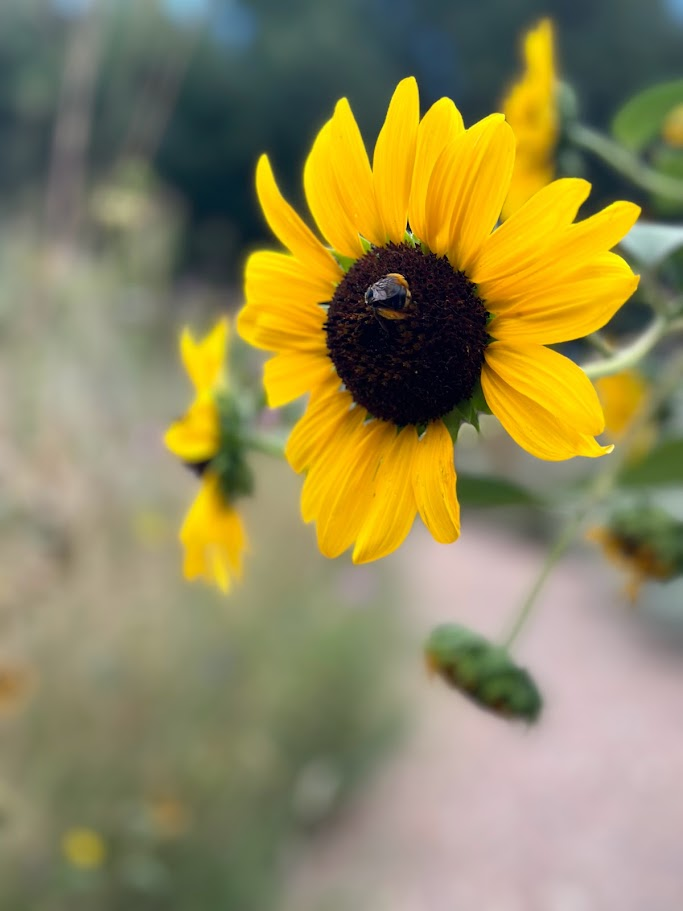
(672, 128)
(531, 110)
(84, 848)
(207, 440)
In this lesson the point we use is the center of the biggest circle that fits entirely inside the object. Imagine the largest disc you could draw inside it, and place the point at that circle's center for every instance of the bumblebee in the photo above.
(389, 298)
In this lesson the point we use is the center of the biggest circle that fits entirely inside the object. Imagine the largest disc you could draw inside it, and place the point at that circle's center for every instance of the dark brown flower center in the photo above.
(407, 334)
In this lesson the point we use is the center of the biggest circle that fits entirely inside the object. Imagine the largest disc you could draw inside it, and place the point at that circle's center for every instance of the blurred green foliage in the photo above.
(203, 96)
(202, 739)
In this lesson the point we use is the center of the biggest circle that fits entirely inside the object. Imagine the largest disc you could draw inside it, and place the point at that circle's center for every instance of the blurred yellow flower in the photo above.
(643, 558)
(531, 110)
(622, 396)
(672, 128)
(84, 848)
(207, 440)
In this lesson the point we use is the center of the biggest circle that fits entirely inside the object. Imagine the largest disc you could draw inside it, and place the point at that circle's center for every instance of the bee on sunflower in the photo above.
(416, 312)
(209, 439)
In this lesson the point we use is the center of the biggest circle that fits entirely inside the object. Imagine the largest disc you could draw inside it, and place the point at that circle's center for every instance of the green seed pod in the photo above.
(483, 672)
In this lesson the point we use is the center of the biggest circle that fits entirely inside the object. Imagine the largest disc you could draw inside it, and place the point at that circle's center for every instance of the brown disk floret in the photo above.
(414, 369)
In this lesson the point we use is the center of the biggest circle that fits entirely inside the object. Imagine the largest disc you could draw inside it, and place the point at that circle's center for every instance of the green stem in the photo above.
(625, 162)
(598, 491)
(633, 353)
(271, 446)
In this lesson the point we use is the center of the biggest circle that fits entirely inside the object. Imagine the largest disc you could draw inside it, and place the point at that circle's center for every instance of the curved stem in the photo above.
(633, 353)
(625, 162)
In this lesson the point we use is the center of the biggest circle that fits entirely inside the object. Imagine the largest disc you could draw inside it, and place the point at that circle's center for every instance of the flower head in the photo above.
(208, 440)
(672, 128)
(531, 110)
(644, 540)
(393, 330)
(84, 848)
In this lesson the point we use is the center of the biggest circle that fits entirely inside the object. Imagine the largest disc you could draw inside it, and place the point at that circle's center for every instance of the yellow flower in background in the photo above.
(84, 848)
(207, 440)
(622, 396)
(394, 332)
(672, 128)
(531, 110)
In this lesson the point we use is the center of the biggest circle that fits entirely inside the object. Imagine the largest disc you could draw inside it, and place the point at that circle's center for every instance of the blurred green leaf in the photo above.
(640, 120)
(483, 491)
(662, 467)
(651, 242)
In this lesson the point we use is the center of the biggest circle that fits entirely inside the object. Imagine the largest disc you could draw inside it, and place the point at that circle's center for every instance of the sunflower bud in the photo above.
(646, 541)
(483, 672)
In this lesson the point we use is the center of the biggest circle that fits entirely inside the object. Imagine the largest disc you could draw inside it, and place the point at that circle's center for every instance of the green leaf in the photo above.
(484, 491)
(663, 467)
(639, 121)
(651, 242)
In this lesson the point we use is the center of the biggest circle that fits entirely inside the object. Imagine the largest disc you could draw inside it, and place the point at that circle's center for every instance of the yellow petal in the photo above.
(205, 360)
(394, 159)
(317, 427)
(290, 230)
(393, 508)
(533, 427)
(283, 304)
(551, 380)
(330, 467)
(354, 175)
(213, 537)
(293, 373)
(600, 232)
(450, 182)
(325, 200)
(486, 164)
(520, 241)
(434, 483)
(441, 125)
(569, 306)
(350, 499)
(194, 438)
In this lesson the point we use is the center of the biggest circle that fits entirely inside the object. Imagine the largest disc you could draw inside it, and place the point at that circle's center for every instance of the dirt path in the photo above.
(583, 813)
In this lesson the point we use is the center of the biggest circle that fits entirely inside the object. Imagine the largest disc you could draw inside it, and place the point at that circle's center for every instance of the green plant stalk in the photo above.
(632, 354)
(624, 162)
(599, 490)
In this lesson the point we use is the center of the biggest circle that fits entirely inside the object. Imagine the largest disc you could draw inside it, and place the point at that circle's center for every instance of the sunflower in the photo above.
(207, 439)
(398, 334)
(531, 110)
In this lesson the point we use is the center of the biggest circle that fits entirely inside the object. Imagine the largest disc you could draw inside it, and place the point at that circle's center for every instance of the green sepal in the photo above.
(229, 464)
(483, 672)
(365, 244)
(345, 262)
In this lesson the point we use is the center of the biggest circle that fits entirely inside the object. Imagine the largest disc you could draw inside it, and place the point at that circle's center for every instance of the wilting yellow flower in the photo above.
(645, 541)
(83, 848)
(396, 333)
(207, 440)
(531, 110)
(672, 128)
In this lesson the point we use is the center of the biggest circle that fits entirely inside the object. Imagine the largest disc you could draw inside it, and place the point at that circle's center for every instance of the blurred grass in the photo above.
(202, 739)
